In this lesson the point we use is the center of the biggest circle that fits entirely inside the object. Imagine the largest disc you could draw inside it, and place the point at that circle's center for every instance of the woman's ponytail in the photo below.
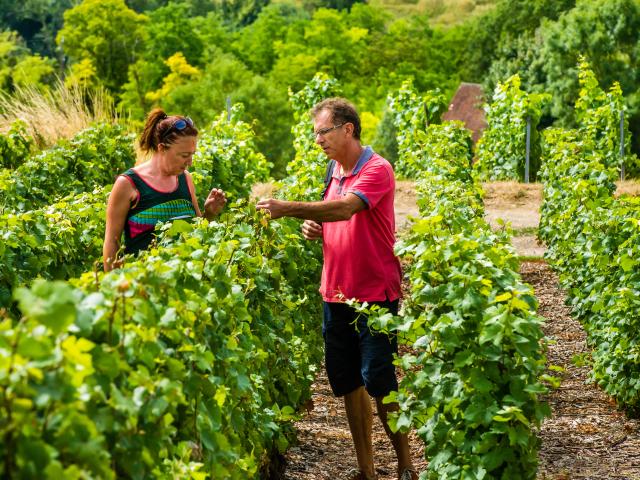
(149, 138)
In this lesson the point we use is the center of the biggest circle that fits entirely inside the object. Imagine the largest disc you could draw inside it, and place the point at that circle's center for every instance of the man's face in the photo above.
(329, 136)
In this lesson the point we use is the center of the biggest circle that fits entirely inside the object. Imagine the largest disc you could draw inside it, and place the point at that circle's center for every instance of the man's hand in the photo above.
(214, 203)
(276, 208)
(311, 230)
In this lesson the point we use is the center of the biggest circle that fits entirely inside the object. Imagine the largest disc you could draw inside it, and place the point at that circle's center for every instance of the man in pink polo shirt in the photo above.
(355, 221)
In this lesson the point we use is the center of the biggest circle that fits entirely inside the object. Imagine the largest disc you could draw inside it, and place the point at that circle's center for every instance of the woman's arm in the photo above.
(120, 199)
(192, 191)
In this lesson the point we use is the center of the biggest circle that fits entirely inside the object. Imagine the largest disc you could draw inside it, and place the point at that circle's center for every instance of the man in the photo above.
(356, 222)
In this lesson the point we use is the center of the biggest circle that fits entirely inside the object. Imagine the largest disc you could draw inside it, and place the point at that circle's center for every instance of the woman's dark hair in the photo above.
(342, 111)
(161, 128)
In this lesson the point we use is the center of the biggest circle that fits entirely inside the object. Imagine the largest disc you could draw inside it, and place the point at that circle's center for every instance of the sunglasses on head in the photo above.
(181, 123)
(178, 125)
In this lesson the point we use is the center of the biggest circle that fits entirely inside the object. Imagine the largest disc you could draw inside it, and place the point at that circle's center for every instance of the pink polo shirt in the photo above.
(358, 253)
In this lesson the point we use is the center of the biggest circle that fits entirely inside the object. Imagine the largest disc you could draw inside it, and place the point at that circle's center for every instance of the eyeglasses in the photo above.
(322, 132)
(178, 125)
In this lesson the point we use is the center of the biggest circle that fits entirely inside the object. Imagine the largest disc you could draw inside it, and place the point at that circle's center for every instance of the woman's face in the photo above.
(178, 156)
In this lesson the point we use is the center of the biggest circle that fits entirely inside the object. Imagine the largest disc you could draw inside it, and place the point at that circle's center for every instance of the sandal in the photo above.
(357, 474)
(409, 474)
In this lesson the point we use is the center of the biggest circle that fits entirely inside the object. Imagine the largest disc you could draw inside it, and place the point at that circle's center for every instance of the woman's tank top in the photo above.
(153, 206)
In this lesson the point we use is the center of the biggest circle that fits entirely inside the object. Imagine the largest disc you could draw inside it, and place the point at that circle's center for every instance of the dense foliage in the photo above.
(189, 56)
(64, 238)
(228, 158)
(501, 150)
(91, 159)
(190, 361)
(189, 59)
(182, 362)
(412, 113)
(546, 55)
(599, 113)
(15, 146)
(593, 239)
(57, 241)
(471, 385)
(309, 165)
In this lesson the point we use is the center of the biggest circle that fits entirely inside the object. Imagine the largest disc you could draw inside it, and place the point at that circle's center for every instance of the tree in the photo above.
(255, 44)
(606, 33)
(36, 21)
(265, 102)
(181, 73)
(82, 74)
(169, 31)
(142, 6)
(234, 12)
(409, 49)
(327, 43)
(333, 4)
(487, 34)
(106, 32)
(18, 68)
(33, 70)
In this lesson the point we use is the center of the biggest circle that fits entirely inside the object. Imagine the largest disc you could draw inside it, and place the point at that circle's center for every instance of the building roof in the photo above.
(466, 106)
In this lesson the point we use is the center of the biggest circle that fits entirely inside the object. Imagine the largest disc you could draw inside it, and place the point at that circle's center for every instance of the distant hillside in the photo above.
(442, 12)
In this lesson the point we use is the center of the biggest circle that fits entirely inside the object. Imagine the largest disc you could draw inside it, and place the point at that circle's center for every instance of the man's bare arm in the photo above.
(327, 211)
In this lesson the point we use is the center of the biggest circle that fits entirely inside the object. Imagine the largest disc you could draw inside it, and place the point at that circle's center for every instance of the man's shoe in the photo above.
(356, 474)
(409, 474)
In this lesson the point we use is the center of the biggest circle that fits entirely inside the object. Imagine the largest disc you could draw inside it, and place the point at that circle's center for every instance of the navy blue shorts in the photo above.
(355, 355)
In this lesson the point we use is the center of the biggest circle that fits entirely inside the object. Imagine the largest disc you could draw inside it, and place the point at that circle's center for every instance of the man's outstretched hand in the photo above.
(276, 208)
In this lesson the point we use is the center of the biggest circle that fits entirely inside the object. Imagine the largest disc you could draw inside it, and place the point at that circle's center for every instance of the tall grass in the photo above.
(56, 113)
(441, 12)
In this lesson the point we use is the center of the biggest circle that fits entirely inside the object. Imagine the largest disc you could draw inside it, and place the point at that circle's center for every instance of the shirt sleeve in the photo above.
(373, 183)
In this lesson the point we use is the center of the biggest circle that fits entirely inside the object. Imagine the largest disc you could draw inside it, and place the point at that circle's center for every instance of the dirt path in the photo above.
(325, 450)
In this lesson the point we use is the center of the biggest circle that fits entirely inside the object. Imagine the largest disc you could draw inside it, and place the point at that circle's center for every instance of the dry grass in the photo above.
(441, 12)
(263, 190)
(57, 113)
(514, 193)
(628, 187)
(452, 12)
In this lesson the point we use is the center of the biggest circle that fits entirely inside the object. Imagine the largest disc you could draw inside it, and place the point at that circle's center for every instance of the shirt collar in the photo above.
(365, 156)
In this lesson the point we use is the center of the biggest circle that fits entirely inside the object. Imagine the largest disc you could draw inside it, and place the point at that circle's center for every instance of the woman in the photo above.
(158, 190)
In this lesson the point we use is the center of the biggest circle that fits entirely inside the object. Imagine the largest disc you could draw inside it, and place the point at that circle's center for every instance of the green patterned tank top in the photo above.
(153, 206)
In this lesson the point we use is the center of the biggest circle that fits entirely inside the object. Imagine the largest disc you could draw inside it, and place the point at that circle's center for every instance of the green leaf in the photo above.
(49, 303)
(464, 358)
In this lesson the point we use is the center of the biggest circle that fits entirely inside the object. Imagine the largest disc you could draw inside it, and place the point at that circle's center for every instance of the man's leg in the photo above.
(399, 440)
(342, 361)
(379, 376)
(360, 417)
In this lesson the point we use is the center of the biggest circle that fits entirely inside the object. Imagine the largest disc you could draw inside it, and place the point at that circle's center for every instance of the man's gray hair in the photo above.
(342, 111)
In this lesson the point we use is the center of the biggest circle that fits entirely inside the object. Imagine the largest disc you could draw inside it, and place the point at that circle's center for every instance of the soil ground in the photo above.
(586, 437)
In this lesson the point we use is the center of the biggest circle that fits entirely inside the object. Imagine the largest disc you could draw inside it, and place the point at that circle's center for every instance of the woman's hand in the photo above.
(311, 230)
(214, 203)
